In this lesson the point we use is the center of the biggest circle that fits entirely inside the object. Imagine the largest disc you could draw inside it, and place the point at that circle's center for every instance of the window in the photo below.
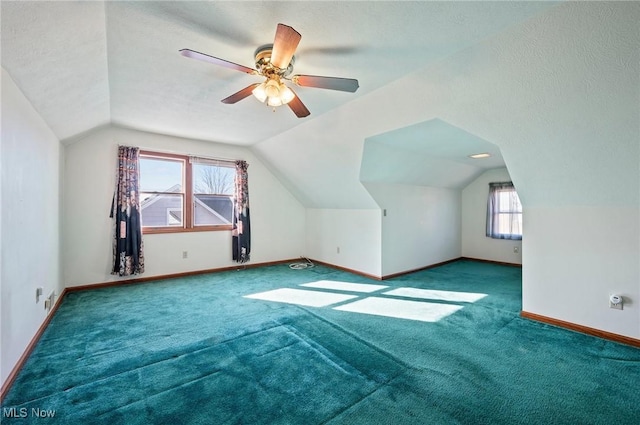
(504, 212)
(181, 193)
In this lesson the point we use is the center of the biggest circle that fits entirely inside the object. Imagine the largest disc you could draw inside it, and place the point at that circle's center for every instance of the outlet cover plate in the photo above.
(615, 306)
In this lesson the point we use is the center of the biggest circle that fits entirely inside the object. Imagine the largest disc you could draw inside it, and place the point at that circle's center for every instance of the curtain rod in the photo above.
(195, 158)
(191, 155)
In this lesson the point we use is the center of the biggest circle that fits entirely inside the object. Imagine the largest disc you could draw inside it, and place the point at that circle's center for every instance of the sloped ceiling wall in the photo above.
(432, 153)
(86, 64)
(558, 94)
(67, 83)
(551, 91)
(82, 64)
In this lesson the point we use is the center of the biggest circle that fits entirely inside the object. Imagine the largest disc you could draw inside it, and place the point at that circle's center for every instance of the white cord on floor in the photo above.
(300, 266)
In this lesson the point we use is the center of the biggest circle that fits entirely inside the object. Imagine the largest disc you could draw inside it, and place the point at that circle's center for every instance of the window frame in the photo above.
(188, 197)
(508, 213)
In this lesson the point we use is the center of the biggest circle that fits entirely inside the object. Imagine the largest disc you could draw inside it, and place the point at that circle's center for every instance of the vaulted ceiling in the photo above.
(84, 64)
(425, 72)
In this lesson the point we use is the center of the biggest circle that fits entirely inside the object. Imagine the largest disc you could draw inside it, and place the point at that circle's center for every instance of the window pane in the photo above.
(160, 175)
(510, 224)
(508, 201)
(517, 224)
(210, 210)
(162, 210)
(213, 179)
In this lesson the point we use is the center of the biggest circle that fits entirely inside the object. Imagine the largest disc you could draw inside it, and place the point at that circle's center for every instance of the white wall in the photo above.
(421, 228)
(575, 257)
(475, 243)
(277, 218)
(357, 233)
(30, 193)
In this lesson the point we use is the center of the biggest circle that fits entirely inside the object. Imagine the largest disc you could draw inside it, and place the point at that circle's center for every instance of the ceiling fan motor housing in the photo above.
(264, 65)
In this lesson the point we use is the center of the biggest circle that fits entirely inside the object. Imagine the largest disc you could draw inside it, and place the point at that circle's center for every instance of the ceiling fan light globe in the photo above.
(286, 95)
(260, 93)
(274, 101)
(272, 88)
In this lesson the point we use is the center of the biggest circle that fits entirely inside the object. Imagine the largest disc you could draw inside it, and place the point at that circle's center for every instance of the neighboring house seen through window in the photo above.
(504, 212)
(180, 193)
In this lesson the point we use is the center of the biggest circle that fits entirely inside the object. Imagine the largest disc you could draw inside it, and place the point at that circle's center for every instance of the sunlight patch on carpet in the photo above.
(301, 297)
(345, 286)
(402, 309)
(433, 294)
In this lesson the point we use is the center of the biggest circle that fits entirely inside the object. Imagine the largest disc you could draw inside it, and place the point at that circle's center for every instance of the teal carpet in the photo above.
(196, 351)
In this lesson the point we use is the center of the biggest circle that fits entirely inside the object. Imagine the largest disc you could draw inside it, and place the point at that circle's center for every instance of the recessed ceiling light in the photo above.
(480, 155)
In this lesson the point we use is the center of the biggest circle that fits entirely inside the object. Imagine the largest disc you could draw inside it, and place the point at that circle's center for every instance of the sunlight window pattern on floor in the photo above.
(302, 297)
(401, 309)
(381, 305)
(345, 286)
(432, 294)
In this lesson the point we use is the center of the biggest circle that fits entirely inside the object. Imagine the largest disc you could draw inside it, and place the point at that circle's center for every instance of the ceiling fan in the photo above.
(275, 62)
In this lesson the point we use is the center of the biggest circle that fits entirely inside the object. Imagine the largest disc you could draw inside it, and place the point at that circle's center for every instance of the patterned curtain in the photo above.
(241, 234)
(128, 255)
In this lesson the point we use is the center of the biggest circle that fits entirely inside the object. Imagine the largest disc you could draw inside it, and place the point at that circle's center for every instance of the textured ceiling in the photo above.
(57, 54)
(85, 64)
(431, 153)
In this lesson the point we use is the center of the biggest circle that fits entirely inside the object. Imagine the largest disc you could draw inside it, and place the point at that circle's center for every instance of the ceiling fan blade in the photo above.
(284, 46)
(238, 96)
(331, 83)
(298, 107)
(188, 53)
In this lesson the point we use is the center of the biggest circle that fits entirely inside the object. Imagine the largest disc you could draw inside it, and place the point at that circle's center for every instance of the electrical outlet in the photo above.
(615, 301)
(516, 249)
(48, 302)
(338, 250)
(185, 254)
(38, 294)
